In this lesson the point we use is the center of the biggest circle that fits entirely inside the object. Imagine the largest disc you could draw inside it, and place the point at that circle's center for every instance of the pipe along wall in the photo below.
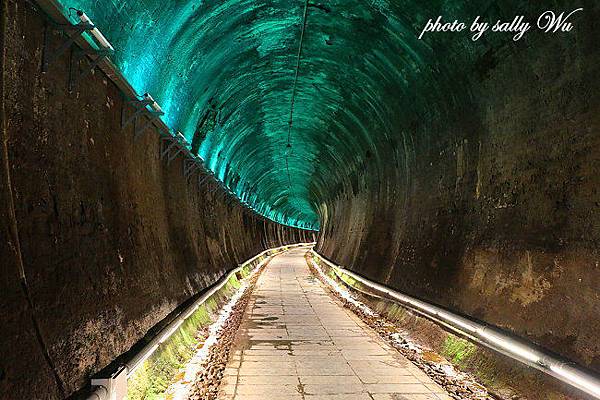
(110, 239)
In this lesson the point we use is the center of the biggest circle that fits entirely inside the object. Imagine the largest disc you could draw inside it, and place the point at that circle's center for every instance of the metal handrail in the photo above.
(172, 327)
(487, 335)
(112, 386)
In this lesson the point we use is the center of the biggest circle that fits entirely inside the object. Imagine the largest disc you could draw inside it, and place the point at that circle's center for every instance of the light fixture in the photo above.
(95, 31)
(153, 104)
(181, 136)
(73, 33)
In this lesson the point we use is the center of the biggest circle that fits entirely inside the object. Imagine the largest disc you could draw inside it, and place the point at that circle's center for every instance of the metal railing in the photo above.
(113, 386)
(487, 335)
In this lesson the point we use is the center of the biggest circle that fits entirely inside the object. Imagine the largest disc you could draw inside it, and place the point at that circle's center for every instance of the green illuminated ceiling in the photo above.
(361, 75)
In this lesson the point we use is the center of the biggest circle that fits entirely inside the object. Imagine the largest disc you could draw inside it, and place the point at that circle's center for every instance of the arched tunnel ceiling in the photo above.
(310, 93)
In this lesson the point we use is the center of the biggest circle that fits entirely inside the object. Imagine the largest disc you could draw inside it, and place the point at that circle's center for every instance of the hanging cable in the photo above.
(294, 89)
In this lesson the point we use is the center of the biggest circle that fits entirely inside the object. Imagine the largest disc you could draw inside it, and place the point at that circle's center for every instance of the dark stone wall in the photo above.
(109, 237)
(493, 210)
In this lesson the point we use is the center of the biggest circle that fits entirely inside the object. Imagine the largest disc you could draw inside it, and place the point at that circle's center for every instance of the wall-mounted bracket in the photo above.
(95, 57)
(230, 200)
(202, 179)
(140, 109)
(227, 195)
(170, 148)
(166, 144)
(215, 188)
(71, 31)
(189, 167)
(178, 149)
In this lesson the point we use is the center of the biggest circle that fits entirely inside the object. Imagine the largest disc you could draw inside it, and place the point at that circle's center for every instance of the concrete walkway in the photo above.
(297, 342)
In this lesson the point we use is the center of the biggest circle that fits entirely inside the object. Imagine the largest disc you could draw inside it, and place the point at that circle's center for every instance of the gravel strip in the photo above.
(459, 385)
(206, 386)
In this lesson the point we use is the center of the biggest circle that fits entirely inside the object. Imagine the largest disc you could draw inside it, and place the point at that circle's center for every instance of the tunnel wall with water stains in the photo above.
(493, 209)
(110, 238)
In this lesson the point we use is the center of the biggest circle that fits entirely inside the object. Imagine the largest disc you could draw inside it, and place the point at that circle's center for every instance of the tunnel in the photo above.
(293, 182)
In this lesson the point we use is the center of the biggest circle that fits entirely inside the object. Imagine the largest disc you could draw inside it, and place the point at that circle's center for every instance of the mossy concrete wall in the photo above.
(110, 239)
(494, 209)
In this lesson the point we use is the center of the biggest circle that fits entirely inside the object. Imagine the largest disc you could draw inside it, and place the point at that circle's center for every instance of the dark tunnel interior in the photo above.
(462, 172)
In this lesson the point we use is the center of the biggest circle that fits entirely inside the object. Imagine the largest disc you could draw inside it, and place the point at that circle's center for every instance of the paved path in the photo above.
(297, 342)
